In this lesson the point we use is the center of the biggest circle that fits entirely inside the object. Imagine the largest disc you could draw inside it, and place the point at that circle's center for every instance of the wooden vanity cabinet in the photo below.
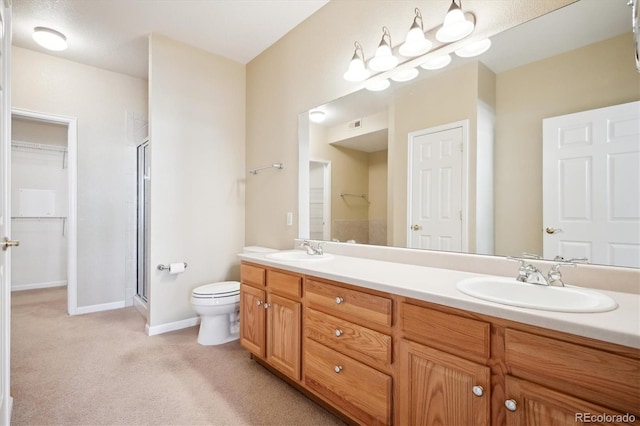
(531, 404)
(271, 315)
(381, 359)
(348, 350)
(438, 383)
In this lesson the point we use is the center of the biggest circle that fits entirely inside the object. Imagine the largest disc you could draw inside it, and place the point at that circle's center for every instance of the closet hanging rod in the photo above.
(272, 166)
(41, 146)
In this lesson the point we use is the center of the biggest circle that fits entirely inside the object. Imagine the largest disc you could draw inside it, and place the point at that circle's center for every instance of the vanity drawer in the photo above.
(360, 391)
(464, 336)
(358, 342)
(252, 275)
(346, 303)
(590, 373)
(284, 284)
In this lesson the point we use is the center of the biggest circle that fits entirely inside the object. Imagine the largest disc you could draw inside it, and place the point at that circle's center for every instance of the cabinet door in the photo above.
(283, 335)
(252, 331)
(437, 388)
(531, 405)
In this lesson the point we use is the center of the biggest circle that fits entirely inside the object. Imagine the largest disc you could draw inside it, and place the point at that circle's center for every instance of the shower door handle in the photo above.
(6, 243)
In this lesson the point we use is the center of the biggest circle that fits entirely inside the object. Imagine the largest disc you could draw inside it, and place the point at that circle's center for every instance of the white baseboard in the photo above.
(98, 308)
(35, 286)
(172, 326)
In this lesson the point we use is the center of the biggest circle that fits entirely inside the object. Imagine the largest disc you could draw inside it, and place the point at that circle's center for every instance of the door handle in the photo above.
(6, 243)
(551, 230)
(416, 227)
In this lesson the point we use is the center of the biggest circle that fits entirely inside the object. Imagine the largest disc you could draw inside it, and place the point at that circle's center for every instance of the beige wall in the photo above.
(304, 69)
(196, 119)
(456, 92)
(595, 76)
(100, 100)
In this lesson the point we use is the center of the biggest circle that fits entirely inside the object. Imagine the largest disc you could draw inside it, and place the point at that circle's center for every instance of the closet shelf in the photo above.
(38, 217)
(42, 147)
(62, 218)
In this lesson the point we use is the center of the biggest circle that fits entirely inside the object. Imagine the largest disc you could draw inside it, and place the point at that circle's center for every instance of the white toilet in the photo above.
(218, 305)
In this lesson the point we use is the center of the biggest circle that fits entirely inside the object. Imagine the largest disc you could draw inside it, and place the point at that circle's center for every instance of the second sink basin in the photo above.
(509, 291)
(298, 255)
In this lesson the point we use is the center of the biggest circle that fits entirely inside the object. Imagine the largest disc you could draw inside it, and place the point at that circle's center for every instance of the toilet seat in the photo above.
(217, 291)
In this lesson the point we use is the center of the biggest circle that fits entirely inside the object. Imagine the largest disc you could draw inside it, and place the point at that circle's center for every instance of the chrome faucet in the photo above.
(528, 273)
(554, 275)
(311, 250)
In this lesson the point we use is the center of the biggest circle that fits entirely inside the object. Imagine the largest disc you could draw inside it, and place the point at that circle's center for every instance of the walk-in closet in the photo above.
(39, 191)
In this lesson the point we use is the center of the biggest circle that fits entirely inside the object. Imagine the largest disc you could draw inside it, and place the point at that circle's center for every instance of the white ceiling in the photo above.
(113, 34)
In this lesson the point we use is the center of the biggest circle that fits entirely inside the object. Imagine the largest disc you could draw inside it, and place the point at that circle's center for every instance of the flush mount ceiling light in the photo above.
(455, 26)
(357, 71)
(436, 62)
(384, 59)
(416, 43)
(316, 115)
(474, 49)
(50, 39)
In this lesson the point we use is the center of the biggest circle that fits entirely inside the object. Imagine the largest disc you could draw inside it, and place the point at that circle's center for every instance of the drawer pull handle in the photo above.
(337, 369)
(478, 390)
(259, 302)
(339, 300)
(266, 306)
(338, 332)
(511, 404)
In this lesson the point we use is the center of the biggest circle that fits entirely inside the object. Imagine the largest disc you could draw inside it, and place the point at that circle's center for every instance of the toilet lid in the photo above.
(221, 289)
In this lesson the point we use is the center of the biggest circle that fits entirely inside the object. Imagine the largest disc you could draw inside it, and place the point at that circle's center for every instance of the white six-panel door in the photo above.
(5, 208)
(591, 185)
(435, 189)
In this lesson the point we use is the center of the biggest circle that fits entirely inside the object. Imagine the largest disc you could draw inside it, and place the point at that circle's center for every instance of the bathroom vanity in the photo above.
(387, 343)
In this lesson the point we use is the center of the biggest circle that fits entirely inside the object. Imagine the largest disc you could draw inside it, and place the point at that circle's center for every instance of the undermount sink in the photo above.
(298, 256)
(509, 291)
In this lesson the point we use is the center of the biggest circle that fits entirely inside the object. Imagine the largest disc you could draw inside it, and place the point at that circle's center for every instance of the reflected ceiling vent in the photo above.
(355, 124)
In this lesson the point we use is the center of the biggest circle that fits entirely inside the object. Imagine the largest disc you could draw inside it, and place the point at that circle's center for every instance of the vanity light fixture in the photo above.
(377, 84)
(455, 26)
(357, 71)
(416, 43)
(405, 74)
(384, 59)
(50, 39)
(316, 115)
(436, 62)
(474, 49)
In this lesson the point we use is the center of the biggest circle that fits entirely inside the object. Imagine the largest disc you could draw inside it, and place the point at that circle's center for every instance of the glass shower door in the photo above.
(144, 182)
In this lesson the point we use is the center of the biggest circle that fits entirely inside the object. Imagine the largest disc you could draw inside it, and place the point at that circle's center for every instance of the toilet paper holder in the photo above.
(162, 267)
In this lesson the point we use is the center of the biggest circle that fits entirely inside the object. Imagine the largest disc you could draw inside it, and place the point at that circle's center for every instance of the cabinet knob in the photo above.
(338, 332)
(259, 302)
(266, 306)
(337, 368)
(339, 300)
(510, 404)
(478, 390)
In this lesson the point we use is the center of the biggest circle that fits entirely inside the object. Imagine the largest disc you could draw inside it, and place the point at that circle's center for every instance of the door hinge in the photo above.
(460, 211)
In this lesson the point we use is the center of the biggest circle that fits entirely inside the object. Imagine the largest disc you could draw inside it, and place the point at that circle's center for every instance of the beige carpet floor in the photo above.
(102, 369)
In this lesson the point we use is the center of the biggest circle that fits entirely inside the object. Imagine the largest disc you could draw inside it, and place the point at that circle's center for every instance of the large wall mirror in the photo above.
(360, 167)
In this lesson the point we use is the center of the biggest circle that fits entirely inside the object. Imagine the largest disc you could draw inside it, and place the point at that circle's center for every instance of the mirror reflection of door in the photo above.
(435, 189)
(591, 185)
(320, 200)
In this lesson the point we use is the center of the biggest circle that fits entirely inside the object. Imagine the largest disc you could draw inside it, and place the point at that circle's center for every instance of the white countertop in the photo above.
(620, 326)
